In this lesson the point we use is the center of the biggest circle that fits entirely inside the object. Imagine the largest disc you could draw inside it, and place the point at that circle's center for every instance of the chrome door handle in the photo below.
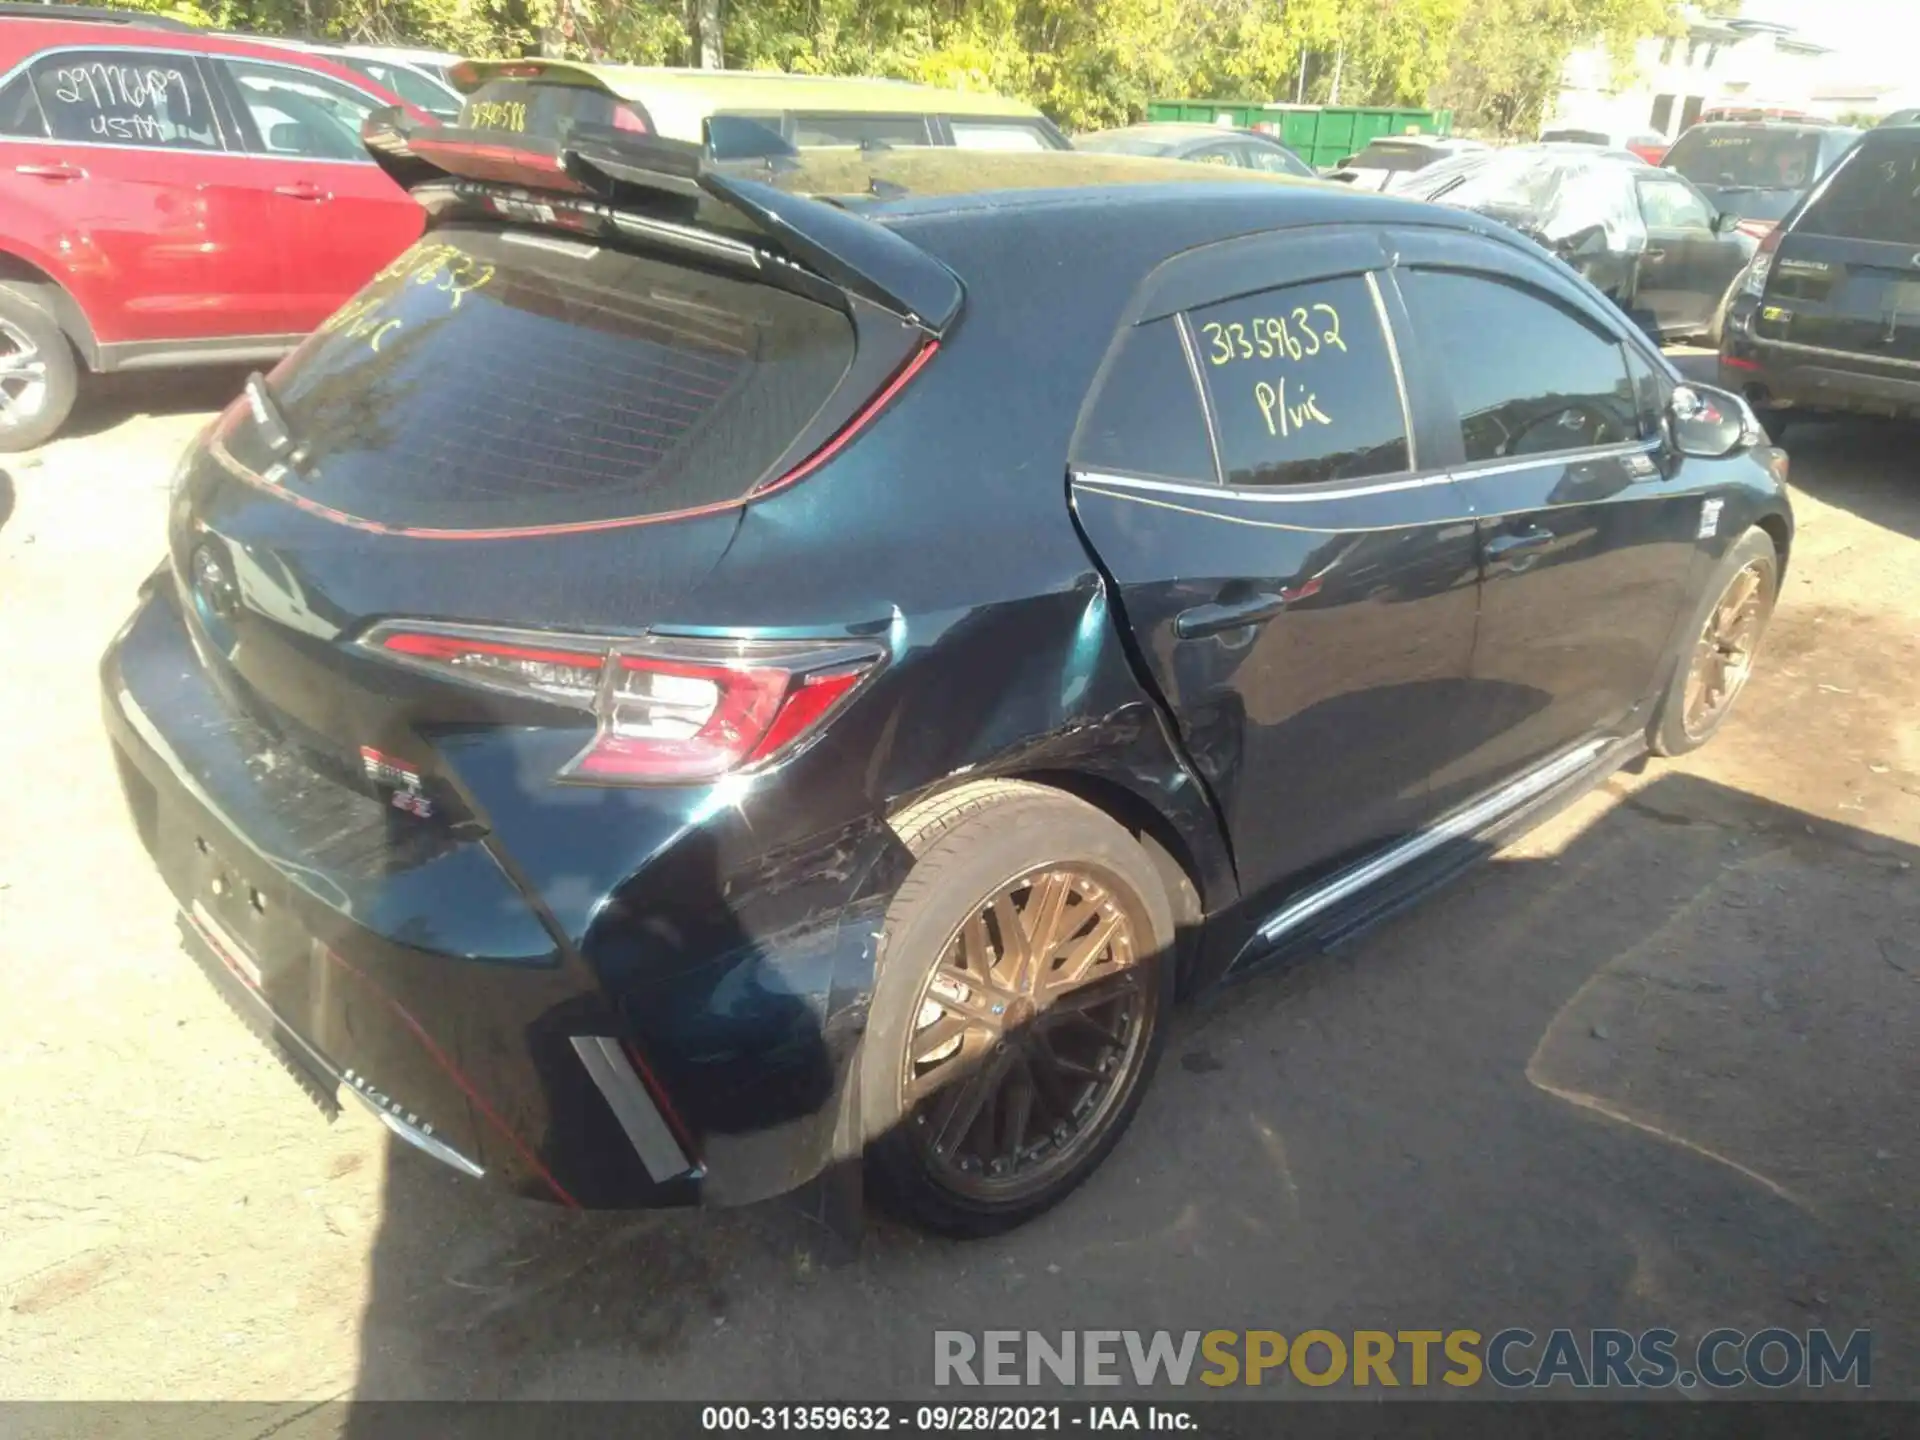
(1504, 549)
(1232, 615)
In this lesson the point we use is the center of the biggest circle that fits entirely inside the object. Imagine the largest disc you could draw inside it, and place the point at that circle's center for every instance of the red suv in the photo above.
(173, 198)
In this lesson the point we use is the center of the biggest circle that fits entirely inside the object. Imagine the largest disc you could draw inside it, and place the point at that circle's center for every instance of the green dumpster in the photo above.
(1321, 135)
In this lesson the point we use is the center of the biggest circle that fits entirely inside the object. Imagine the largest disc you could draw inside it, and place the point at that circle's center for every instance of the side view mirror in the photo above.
(1724, 221)
(1710, 424)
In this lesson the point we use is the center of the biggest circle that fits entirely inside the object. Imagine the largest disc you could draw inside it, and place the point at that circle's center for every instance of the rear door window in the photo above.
(1874, 195)
(1302, 385)
(126, 97)
(492, 378)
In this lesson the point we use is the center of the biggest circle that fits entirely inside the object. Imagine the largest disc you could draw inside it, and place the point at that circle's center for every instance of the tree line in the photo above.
(1086, 63)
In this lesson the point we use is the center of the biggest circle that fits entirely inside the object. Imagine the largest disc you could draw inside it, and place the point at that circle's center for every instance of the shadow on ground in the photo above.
(1863, 466)
(110, 400)
(1655, 1066)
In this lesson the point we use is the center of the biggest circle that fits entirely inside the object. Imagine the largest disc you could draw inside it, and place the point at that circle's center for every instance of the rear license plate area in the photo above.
(239, 904)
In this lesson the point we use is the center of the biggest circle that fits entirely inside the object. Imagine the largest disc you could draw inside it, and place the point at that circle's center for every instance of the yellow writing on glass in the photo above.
(360, 320)
(443, 268)
(495, 115)
(1275, 337)
(1284, 417)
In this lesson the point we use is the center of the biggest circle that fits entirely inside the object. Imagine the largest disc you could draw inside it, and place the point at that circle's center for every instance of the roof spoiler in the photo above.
(635, 173)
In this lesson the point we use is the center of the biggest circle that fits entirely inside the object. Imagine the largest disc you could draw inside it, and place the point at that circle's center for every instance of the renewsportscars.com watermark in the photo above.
(1512, 1359)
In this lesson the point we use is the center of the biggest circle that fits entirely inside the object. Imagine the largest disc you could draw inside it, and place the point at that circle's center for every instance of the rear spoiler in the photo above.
(677, 187)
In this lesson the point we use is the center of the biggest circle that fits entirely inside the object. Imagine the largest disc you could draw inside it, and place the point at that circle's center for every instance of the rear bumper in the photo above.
(1780, 376)
(422, 979)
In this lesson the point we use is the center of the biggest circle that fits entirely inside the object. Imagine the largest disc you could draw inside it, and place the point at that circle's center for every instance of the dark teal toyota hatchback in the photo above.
(705, 677)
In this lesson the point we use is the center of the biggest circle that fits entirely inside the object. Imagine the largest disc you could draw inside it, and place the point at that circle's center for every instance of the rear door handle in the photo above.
(302, 190)
(1231, 615)
(1654, 254)
(1506, 548)
(59, 170)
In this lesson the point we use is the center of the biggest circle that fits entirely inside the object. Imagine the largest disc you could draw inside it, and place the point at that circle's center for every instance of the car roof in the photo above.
(1176, 130)
(1768, 127)
(937, 180)
(20, 42)
(650, 85)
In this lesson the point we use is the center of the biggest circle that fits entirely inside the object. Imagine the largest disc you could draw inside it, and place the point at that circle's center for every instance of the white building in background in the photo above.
(1742, 65)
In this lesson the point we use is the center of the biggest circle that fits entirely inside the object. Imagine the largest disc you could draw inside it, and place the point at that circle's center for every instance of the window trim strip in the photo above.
(1399, 373)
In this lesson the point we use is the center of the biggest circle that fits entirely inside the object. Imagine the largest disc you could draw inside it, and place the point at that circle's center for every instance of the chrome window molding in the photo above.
(1399, 374)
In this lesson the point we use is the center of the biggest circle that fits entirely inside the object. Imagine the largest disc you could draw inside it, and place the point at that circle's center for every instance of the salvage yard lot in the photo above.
(1655, 1065)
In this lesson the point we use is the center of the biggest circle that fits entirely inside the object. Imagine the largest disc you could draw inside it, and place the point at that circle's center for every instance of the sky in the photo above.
(1876, 39)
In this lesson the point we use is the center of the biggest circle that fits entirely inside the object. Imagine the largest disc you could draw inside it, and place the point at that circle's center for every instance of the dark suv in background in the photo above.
(1758, 170)
(1828, 315)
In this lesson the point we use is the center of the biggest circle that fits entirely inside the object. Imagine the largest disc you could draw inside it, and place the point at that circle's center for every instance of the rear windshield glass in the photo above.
(523, 107)
(1762, 159)
(494, 378)
(1874, 195)
(1389, 156)
(1577, 137)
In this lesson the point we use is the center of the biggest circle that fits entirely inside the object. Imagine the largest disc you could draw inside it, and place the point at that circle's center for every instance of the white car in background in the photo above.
(417, 76)
(1392, 160)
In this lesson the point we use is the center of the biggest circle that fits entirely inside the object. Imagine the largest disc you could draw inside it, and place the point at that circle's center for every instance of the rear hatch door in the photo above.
(1847, 275)
(511, 426)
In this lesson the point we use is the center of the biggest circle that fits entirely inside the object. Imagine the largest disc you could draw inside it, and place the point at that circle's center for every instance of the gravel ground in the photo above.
(1654, 1065)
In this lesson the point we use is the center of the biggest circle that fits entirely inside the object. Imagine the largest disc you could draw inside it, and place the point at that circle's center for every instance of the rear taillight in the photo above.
(1754, 282)
(668, 709)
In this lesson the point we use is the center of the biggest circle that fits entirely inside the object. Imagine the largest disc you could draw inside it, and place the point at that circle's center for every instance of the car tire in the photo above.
(33, 409)
(1719, 646)
(974, 1135)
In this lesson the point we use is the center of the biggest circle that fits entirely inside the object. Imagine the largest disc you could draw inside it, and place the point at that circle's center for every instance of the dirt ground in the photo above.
(1654, 1065)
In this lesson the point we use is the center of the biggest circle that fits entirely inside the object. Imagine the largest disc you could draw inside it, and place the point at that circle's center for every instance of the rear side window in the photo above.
(1146, 418)
(296, 112)
(1874, 195)
(829, 131)
(1000, 135)
(123, 97)
(20, 113)
(1528, 377)
(1302, 385)
(498, 379)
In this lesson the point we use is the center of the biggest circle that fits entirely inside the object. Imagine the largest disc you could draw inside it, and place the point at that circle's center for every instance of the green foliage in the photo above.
(1087, 63)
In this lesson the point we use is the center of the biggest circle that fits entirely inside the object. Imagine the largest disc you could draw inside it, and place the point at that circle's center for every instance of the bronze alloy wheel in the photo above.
(1029, 1034)
(1723, 655)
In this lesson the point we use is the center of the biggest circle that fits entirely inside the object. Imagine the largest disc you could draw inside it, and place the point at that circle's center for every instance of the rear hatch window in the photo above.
(499, 379)
(1385, 155)
(543, 108)
(1757, 159)
(1875, 196)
